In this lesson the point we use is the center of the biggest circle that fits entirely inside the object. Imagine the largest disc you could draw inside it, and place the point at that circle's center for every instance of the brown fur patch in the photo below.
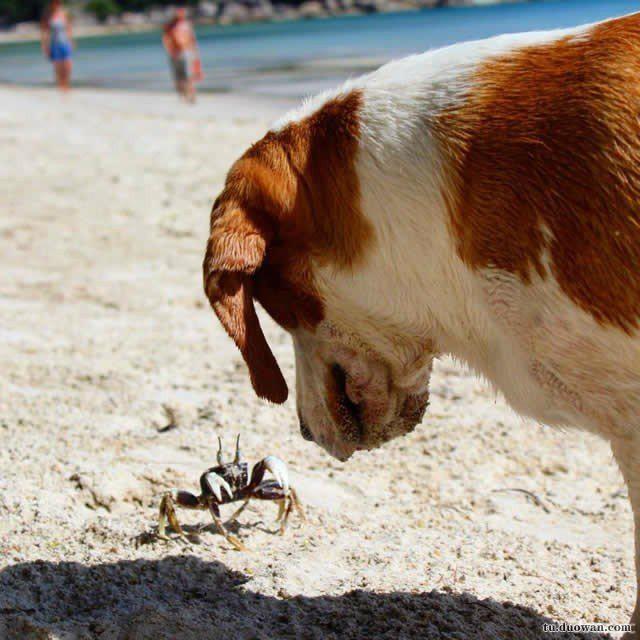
(549, 139)
(304, 177)
(293, 196)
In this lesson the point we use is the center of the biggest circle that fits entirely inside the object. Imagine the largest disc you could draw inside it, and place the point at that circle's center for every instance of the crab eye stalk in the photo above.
(238, 457)
(219, 450)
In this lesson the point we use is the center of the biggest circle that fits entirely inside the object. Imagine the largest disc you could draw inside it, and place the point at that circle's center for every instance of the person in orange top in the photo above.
(180, 42)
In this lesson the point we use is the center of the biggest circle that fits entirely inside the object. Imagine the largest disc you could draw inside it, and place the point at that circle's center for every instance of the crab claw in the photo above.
(216, 484)
(279, 471)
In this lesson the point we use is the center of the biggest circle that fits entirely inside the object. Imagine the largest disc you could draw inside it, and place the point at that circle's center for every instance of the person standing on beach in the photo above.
(57, 42)
(180, 42)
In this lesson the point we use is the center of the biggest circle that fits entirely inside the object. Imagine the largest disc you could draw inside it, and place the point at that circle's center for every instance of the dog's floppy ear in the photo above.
(236, 249)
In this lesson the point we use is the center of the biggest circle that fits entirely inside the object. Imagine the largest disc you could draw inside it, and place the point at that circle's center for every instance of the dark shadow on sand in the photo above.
(183, 597)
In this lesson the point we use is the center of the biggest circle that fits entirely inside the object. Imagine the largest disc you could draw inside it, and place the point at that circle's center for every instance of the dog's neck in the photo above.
(412, 285)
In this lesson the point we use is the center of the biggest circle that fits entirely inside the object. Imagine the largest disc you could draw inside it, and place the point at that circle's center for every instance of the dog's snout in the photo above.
(305, 432)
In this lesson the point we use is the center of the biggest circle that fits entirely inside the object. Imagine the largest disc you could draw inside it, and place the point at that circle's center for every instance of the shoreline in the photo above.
(231, 106)
(80, 32)
(278, 83)
(241, 103)
(236, 12)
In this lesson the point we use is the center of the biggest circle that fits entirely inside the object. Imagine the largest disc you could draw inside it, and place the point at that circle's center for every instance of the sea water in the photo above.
(295, 58)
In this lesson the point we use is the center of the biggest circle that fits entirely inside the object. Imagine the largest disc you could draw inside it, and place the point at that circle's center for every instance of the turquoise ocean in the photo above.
(292, 59)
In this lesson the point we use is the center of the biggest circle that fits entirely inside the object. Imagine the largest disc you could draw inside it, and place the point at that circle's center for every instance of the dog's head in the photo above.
(288, 231)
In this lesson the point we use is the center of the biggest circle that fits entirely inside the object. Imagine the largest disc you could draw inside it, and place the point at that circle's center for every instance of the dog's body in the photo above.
(481, 200)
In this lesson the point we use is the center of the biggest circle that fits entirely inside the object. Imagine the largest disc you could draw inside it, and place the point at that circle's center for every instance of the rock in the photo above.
(159, 15)
(207, 10)
(311, 9)
(285, 12)
(26, 28)
(84, 19)
(233, 12)
(367, 6)
(333, 7)
(263, 10)
(130, 18)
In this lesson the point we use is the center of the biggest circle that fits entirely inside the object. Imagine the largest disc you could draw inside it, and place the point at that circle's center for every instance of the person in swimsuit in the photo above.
(57, 42)
(180, 42)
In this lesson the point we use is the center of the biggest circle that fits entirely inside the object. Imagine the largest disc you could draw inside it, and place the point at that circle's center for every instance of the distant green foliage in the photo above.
(102, 9)
(19, 10)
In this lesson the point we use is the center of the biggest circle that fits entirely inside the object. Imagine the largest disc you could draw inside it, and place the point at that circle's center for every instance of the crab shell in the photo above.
(235, 474)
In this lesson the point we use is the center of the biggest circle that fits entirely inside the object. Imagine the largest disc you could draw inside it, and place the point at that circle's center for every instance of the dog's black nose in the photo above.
(304, 429)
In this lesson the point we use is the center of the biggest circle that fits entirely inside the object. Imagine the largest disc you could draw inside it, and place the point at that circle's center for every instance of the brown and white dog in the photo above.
(481, 200)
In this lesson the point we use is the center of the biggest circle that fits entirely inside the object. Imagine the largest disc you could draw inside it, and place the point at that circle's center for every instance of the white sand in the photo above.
(105, 200)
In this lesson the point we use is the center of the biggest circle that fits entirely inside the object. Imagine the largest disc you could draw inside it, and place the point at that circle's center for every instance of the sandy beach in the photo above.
(478, 525)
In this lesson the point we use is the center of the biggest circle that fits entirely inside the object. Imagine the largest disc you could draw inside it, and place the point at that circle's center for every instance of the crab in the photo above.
(230, 482)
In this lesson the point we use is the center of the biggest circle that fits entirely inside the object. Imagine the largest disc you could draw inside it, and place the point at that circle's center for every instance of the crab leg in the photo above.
(162, 516)
(297, 504)
(291, 501)
(285, 518)
(238, 511)
(168, 512)
(215, 514)
(271, 490)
